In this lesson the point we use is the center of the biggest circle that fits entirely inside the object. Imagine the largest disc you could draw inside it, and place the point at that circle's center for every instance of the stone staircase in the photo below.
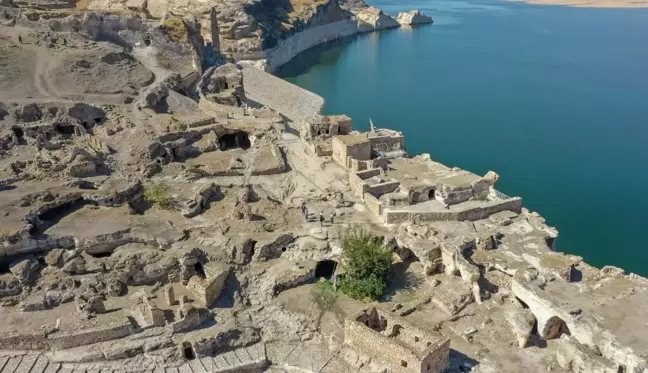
(240, 360)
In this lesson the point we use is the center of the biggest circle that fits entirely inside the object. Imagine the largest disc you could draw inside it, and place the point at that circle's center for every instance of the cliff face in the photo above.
(248, 31)
(269, 32)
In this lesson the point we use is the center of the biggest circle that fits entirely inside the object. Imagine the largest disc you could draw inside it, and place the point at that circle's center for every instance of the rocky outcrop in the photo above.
(372, 19)
(414, 17)
(223, 85)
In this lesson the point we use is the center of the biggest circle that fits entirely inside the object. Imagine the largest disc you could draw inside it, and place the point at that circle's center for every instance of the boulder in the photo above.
(223, 85)
(372, 19)
(155, 97)
(201, 200)
(414, 17)
(521, 322)
(9, 286)
(25, 269)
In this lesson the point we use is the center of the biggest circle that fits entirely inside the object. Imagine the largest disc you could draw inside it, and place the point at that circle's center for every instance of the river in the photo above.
(554, 99)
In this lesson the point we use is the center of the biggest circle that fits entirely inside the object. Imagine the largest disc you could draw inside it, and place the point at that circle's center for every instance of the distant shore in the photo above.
(591, 3)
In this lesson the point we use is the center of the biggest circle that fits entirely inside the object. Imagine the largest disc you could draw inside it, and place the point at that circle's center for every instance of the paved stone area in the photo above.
(243, 359)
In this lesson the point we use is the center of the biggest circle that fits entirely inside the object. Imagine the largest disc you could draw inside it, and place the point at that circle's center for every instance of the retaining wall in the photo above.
(471, 214)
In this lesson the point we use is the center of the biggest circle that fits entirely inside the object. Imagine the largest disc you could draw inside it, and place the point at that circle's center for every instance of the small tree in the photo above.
(367, 262)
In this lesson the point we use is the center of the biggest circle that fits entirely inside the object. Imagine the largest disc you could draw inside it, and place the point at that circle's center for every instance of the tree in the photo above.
(367, 263)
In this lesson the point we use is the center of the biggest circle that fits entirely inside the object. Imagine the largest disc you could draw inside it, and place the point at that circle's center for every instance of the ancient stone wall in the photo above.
(387, 143)
(24, 340)
(68, 339)
(400, 345)
(208, 290)
(383, 188)
(373, 204)
(469, 213)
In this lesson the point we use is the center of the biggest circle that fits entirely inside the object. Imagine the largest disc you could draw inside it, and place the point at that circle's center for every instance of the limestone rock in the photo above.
(223, 85)
(9, 286)
(90, 305)
(25, 269)
(201, 200)
(521, 322)
(155, 97)
(372, 19)
(413, 17)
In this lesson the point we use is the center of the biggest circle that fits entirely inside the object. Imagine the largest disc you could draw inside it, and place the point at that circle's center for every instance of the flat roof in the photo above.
(351, 139)
(417, 171)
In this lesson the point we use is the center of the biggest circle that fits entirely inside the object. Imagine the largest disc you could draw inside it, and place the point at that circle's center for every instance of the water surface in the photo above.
(554, 99)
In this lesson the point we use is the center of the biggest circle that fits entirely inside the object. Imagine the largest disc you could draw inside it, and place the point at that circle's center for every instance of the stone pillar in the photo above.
(215, 32)
(169, 295)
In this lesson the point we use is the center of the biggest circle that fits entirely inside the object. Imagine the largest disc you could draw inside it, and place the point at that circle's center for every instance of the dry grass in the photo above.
(175, 28)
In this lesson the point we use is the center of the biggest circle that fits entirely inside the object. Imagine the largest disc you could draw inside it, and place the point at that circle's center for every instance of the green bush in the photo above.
(367, 263)
(157, 194)
(325, 295)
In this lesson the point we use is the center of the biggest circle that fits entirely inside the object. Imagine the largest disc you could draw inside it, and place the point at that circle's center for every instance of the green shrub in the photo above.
(157, 194)
(325, 295)
(367, 263)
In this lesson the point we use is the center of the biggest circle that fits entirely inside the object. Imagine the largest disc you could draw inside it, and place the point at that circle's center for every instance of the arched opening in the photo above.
(188, 351)
(200, 270)
(234, 140)
(431, 194)
(98, 120)
(325, 268)
(404, 363)
(554, 328)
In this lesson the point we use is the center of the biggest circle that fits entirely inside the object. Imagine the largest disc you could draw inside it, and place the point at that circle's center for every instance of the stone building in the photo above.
(396, 343)
(322, 126)
(207, 288)
(351, 146)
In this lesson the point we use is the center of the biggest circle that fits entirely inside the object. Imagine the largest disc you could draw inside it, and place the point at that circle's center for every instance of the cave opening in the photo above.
(64, 129)
(55, 213)
(234, 140)
(188, 351)
(18, 132)
(325, 268)
(200, 270)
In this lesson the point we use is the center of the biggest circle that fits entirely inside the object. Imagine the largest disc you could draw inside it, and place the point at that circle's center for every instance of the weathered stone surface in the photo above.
(521, 322)
(413, 17)
(25, 269)
(223, 85)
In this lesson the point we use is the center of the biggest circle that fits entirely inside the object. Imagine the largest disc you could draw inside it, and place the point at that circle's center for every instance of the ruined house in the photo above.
(396, 343)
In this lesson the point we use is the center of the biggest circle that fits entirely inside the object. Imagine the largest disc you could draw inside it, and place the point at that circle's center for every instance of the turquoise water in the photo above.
(554, 99)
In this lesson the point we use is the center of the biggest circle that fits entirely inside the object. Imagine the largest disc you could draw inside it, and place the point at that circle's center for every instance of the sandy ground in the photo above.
(592, 4)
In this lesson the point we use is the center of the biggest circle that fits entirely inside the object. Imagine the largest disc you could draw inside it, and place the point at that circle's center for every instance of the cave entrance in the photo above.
(103, 254)
(18, 132)
(147, 41)
(431, 194)
(98, 120)
(188, 351)
(64, 129)
(56, 213)
(200, 270)
(234, 140)
(325, 268)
